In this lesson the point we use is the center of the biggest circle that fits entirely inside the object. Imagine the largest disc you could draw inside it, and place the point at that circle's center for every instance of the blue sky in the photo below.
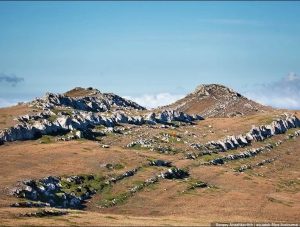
(153, 52)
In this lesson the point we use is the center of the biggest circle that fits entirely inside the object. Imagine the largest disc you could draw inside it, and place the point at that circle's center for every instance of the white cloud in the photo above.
(292, 76)
(284, 93)
(152, 101)
(282, 102)
(8, 102)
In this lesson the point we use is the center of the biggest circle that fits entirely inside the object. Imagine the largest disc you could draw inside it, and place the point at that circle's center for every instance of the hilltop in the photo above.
(88, 99)
(214, 100)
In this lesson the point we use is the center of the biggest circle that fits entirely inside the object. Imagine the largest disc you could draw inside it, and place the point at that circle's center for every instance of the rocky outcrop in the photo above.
(43, 213)
(49, 190)
(174, 173)
(81, 120)
(95, 101)
(131, 192)
(167, 116)
(56, 192)
(251, 153)
(198, 184)
(263, 162)
(255, 134)
(35, 117)
(160, 163)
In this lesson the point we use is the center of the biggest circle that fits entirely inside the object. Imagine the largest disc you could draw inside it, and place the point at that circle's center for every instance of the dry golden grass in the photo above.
(78, 92)
(8, 114)
(261, 194)
(233, 197)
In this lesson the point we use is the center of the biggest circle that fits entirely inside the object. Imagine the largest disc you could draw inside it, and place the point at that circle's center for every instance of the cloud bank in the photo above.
(8, 102)
(152, 101)
(284, 93)
(12, 79)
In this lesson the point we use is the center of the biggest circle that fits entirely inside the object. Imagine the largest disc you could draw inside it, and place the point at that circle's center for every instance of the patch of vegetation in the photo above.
(154, 211)
(266, 120)
(46, 139)
(89, 183)
(55, 111)
(110, 217)
(52, 118)
(273, 200)
(137, 182)
(292, 185)
(152, 186)
(77, 92)
(210, 157)
(139, 147)
(100, 127)
(175, 140)
(117, 166)
(87, 149)
(213, 189)
(247, 178)
(171, 197)
(2, 122)
(81, 140)
(111, 200)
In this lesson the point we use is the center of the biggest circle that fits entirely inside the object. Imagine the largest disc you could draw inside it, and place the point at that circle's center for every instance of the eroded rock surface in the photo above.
(82, 120)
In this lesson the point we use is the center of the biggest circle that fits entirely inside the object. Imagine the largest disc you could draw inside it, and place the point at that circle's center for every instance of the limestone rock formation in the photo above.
(92, 100)
(260, 133)
(81, 120)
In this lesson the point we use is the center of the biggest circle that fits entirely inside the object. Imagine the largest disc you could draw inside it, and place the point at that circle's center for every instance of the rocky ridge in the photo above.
(93, 100)
(72, 192)
(48, 122)
(251, 153)
(257, 133)
(260, 133)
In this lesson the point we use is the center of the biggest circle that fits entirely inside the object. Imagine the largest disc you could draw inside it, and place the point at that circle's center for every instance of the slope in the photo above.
(214, 100)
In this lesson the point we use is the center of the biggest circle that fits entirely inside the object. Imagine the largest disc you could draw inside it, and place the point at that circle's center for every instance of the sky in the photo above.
(151, 52)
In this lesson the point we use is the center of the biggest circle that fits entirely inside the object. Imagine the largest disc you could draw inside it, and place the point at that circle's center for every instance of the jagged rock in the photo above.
(191, 156)
(150, 118)
(244, 167)
(79, 134)
(255, 134)
(80, 120)
(174, 173)
(120, 118)
(131, 144)
(167, 116)
(96, 101)
(18, 132)
(160, 163)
